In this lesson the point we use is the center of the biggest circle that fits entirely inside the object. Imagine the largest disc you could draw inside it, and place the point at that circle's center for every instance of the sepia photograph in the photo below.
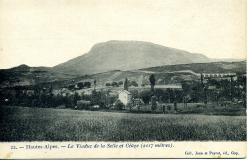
(122, 71)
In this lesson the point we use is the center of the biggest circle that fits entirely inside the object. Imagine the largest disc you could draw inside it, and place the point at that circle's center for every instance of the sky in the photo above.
(49, 32)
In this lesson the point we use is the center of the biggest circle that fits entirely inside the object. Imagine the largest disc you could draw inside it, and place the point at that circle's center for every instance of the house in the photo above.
(218, 75)
(125, 97)
(169, 86)
(176, 86)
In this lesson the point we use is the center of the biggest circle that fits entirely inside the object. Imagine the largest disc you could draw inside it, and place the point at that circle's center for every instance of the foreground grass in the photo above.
(39, 124)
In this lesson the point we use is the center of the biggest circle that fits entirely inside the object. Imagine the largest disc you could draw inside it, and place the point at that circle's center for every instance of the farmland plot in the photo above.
(46, 124)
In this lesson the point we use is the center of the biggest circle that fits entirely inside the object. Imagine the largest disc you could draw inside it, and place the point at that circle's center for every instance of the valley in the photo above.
(119, 90)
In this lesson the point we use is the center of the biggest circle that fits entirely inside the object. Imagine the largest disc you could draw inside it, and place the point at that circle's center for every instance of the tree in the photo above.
(95, 97)
(175, 100)
(120, 83)
(80, 85)
(94, 84)
(152, 82)
(76, 97)
(185, 100)
(205, 89)
(133, 83)
(68, 100)
(187, 87)
(231, 88)
(135, 93)
(154, 103)
(145, 96)
(202, 78)
(87, 84)
(126, 84)
(115, 84)
(107, 84)
(71, 87)
(170, 95)
(187, 91)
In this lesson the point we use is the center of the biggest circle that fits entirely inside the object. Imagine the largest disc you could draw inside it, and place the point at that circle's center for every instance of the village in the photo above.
(218, 89)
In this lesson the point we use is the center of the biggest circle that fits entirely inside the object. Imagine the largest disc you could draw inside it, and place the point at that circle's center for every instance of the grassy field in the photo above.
(39, 124)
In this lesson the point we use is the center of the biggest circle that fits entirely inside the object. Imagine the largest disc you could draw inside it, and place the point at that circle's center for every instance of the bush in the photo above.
(71, 87)
(119, 105)
(107, 84)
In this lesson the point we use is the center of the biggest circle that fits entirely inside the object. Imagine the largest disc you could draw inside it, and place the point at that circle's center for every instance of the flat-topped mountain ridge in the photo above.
(127, 55)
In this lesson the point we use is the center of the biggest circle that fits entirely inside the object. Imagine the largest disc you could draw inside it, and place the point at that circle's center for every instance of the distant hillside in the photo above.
(164, 74)
(127, 55)
(214, 67)
(24, 75)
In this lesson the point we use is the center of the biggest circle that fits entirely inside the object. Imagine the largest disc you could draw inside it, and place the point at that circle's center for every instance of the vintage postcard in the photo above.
(123, 79)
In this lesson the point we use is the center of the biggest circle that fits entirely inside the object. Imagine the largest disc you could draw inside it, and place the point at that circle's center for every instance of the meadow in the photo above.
(49, 124)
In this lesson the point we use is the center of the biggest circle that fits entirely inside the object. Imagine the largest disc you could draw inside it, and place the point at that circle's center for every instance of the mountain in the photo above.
(114, 60)
(127, 55)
